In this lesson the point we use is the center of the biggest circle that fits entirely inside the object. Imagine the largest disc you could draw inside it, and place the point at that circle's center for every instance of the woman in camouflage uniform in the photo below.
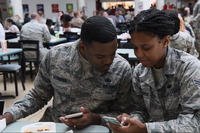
(166, 82)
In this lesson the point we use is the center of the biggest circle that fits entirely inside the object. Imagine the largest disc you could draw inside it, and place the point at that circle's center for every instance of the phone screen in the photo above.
(111, 120)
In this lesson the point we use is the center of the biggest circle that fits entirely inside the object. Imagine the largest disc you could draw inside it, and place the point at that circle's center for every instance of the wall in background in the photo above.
(32, 5)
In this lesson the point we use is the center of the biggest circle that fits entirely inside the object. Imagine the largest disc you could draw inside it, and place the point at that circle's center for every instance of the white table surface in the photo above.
(130, 52)
(60, 127)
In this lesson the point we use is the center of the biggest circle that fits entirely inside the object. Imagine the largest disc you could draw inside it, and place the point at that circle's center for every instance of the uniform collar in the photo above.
(169, 69)
(170, 61)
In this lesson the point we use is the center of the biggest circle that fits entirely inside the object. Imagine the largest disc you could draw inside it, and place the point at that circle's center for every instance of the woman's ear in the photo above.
(166, 41)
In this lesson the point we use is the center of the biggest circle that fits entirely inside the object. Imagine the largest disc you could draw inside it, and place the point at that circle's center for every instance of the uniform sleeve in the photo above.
(123, 98)
(188, 119)
(190, 43)
(47, 35)
(122, 102)
(37, 97)
(195, 10)
(192, 49)
(140, 111)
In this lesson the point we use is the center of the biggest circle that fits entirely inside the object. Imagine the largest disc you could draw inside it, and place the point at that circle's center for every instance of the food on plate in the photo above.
(39, 127)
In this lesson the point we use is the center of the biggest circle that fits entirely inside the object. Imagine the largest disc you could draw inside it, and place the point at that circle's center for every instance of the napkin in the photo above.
(70, 131)
(2, 124)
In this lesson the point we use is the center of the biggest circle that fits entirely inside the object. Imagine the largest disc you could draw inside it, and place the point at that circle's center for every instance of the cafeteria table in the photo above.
(60, 127)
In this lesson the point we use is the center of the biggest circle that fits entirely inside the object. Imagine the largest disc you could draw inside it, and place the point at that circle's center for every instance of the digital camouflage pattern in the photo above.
(72, 82)
(185, 42)
(174, 105)
(196, 8)
(195, 23)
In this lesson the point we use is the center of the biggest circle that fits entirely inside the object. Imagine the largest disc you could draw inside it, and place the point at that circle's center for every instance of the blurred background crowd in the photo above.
(120, 13)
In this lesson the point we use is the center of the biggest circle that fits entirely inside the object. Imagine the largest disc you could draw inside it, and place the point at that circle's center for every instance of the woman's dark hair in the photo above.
(10, 20)
(49, 22)
(99, 29)
(160, 23)
(65, 18)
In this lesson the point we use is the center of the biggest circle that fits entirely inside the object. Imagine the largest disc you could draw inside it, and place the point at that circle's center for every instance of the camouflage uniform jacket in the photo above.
(185, 42)
(195, 23)
(72, 82)
(173, 106)
(196, 8)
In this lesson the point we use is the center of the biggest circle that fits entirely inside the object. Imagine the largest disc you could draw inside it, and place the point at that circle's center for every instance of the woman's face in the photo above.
(7, 24)
(149, 49)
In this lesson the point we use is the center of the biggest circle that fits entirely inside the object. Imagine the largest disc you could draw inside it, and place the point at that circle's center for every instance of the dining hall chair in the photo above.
(12, 69)
(30, 55)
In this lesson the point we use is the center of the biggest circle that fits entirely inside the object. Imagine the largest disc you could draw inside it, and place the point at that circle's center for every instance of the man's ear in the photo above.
(82, 48)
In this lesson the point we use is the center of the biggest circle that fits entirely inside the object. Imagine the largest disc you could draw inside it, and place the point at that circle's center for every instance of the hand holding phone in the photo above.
(75, 115)
(111, 120)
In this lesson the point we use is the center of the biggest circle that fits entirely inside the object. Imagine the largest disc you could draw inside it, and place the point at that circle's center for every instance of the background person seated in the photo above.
(34, 30)
(11, 29)
(49, 24)
(77, 21)
(66, 24)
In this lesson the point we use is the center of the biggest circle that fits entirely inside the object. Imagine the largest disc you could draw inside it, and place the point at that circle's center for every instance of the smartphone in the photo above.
(111, 120)
(1, 106)
(75, 115)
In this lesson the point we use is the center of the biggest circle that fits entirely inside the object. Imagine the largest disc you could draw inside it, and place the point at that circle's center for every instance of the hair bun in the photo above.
(159, 22)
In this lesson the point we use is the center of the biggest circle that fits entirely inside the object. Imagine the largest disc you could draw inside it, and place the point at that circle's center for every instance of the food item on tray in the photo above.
(39, 127)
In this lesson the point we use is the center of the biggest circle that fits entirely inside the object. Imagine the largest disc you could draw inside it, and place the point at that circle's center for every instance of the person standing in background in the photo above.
(2, 32)
(196, 9)
(195, 23)
(183, 40)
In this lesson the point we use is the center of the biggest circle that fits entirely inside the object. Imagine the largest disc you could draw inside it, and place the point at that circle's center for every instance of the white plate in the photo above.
(39, 127)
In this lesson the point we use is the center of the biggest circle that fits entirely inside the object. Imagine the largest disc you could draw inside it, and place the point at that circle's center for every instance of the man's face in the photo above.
(149, 49)
(100, 55)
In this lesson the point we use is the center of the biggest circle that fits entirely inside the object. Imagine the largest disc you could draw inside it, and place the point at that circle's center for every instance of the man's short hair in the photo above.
(34, 15)
(99, 29)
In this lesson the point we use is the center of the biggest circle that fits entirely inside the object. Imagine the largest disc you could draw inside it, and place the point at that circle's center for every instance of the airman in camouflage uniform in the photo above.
(185, 42)
(174, 104)
(166, 83)
(196, 8)
(72, 82)
(89, 74)
(195, 23)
